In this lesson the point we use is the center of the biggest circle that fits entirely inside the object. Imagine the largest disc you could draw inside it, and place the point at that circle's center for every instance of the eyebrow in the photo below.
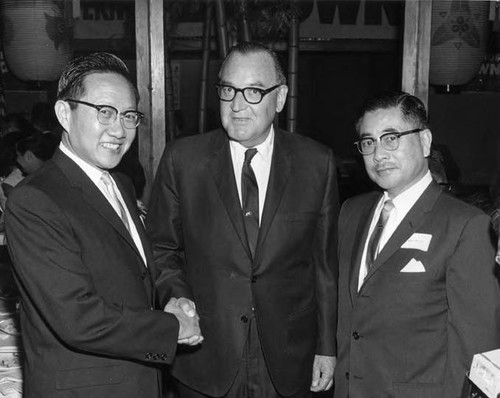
(385, 131)
(256, 84)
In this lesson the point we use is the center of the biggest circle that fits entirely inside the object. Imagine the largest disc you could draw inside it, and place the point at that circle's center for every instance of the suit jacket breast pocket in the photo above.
(304, 216)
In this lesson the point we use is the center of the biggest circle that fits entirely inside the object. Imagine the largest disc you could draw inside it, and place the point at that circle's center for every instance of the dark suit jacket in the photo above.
(196, 225)
(413, 334)
(86, 296)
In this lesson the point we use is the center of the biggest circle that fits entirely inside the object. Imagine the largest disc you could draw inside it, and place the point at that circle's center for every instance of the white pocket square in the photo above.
(418, 241)
(413, 266)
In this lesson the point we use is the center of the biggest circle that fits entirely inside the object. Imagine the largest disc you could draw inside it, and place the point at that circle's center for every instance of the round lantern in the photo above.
(458, 40)
(36, 38)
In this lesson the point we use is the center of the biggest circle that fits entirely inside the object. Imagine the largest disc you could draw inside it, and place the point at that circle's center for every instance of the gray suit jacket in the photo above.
(413, 334)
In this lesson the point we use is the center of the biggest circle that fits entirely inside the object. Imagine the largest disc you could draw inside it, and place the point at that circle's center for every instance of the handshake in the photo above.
(189, 321)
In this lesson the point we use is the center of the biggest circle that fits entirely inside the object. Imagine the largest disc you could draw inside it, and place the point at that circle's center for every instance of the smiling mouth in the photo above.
(109, 145)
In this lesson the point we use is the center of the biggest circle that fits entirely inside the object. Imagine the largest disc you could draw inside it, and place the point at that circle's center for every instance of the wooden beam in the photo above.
(417, 48)
(151, 84)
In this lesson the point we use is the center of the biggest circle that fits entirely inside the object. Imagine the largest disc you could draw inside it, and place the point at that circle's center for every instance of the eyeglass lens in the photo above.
(251, 95)
(107, 115)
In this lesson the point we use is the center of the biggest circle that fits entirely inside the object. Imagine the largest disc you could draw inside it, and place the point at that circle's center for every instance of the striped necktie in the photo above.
(250, 199)
(372, 249)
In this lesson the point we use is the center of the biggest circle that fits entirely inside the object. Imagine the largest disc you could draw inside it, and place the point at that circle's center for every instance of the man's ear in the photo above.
(426, 141)
(281, 98)
(63, 114)
(29, 155)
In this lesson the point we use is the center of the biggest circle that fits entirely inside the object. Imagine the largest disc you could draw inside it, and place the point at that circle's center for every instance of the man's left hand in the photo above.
(322, 373)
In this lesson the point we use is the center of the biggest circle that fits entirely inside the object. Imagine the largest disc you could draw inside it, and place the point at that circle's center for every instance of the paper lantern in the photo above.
(36, 38)
(458, 40)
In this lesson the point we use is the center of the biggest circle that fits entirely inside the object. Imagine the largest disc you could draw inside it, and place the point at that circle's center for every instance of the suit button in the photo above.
(244, 319)
(143, 275)
(254, 279)
(347, 375)
(355, 335)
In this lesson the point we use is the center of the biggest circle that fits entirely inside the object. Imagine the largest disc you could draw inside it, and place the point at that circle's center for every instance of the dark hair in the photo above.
(248, 47)
(71, 83)
(8, 152)
(13, 122)
(42, 146)
(412, 108)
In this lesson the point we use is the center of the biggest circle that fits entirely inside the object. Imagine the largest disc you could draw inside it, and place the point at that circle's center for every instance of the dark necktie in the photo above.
(371, 251)
(250, 199)
(110, 188)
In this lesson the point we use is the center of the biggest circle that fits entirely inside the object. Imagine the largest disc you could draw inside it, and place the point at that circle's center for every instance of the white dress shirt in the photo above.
(261, 165)
(95, 175)
(402, 205)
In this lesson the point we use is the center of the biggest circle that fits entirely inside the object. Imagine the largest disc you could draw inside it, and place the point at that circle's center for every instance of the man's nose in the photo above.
(117, 129)
(380, 152)
(238, 103)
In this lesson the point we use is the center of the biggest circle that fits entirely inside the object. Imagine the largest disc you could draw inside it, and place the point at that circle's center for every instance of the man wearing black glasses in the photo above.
(243, 223)
(81, 257)
(418, 296)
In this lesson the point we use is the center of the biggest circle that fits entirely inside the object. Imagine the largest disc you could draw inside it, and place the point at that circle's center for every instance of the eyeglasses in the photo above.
(389, 141)
(107, 114)
(252, 95)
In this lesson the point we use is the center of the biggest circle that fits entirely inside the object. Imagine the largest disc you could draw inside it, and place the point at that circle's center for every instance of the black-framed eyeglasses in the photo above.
(252, 95)
(107, 114)
(389, 141)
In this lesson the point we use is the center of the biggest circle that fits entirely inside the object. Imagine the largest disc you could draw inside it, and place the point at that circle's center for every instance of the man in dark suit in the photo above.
(81, 258)
(243, 225)
(417, 292)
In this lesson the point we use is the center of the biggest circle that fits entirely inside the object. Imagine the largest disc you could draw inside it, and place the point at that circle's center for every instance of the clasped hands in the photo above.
(189, 321)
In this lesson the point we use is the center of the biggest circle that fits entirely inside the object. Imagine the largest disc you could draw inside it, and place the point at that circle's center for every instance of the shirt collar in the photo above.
(406, 199)
(93, 172)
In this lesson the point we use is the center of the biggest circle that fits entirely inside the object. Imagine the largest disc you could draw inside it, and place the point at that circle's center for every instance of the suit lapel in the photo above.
(408, 226)
(131, 204)
(222, 170)
(360, 237)
(93, 196)
(278, 177)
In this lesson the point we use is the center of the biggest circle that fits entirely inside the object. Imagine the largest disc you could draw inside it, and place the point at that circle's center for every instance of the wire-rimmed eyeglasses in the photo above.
(252, 95)
(389, 141)
(107, 114)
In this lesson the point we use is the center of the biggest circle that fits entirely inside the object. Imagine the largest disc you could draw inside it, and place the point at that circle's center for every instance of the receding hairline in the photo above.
(254, 51)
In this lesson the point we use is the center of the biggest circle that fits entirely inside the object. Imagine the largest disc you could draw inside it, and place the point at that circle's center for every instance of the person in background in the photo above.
(243, 223)
(80, 255)
(33, 151)
(43, 118)
(14, 122)
(10, 173)
(418, 294)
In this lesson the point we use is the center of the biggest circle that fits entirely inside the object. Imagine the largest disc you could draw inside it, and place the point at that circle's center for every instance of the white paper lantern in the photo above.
(458, 40)
(37, 39)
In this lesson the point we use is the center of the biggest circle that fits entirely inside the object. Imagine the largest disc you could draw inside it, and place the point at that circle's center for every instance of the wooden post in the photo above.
(417, 48)
(293, 71)
(202, 118)
(151, 85)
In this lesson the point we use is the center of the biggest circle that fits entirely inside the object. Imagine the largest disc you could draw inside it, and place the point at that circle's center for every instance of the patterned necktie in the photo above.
(371, 251)
(111, 190)
(250, 199)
